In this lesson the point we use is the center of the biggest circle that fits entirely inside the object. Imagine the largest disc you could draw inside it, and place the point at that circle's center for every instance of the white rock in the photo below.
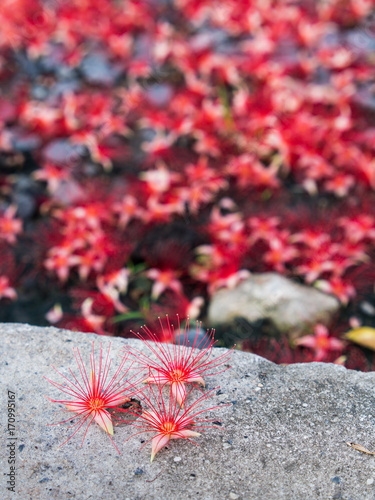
(290, 306)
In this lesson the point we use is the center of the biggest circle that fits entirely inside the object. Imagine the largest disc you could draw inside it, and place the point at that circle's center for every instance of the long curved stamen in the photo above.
(97, 392)
(178, 364)
(168, 420)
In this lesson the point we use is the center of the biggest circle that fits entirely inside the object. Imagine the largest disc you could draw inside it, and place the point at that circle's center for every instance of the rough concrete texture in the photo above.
(283, 437)
(291, 307)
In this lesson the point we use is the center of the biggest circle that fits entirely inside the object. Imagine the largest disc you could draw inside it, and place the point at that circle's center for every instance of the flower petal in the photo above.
(307, 341)
(184, 434)
(151, 416)
(320, 354)
(77, 406)
(117, 402)
(178, 392)
(103, 418)
(159, 379)
(197, 379)
(158, 443)
(335, 344)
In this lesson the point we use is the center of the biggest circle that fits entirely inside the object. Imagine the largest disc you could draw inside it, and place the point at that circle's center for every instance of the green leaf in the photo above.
(127, 316)
(135, 268)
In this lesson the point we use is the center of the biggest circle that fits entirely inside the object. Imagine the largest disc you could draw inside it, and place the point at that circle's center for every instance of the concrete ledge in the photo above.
(284, 437)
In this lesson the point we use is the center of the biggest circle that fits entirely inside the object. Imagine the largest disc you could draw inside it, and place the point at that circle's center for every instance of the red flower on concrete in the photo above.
(181, 363)
(167, 420)
(91, 395)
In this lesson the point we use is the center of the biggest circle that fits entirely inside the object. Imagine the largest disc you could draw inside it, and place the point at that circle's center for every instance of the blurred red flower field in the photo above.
(153, 152)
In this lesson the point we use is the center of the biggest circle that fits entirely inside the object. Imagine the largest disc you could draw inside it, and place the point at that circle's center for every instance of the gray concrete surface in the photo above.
(283, 437)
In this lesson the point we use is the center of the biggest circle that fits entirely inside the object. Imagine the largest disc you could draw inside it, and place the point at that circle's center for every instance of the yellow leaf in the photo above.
(364, 336)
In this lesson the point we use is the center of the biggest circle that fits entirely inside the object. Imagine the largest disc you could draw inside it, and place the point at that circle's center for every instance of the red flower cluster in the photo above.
(173, 417)
(244, 131)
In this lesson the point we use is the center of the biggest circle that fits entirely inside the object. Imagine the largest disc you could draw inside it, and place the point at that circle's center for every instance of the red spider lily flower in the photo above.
(94, 393)
(194, 307)
(10, 226)
(181, 305)
(161, 210)
(311, 238)
(98, 152)
(169, 420)
(335, 285)
(53, 175)
(60, 260)
(221, 226)
(200, 172)
(180, 363)
(127, 209)
(263, 228)
(89, 216)
(93, 321)
(195, 195)
(6, 291)
(340, 185)
(321, 342)
(247, 171)
(315, 168)
(164, 279)
(280, 253)
(157, 146)
(55, 314)
(211, 255)
(206, 144)
(358, 228)
(229, 281)
(91, 259)
(160, 179)
(314, 268)
(111, 284)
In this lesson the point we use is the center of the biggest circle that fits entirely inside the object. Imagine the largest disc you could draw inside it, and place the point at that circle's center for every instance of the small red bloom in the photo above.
(6, 291)
(340, 185)
(263, 228)
(10, 226)
(321, 342)
(335, 285)
(127, 209)
(164, 279)
(178, 364)
(169, 420)
(60, 260)
(53, 175)
(97, 392)
(280, 252)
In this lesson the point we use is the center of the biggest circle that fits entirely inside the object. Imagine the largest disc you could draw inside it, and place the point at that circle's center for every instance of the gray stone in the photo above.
(367, 308)
(98, 70)
(63, 152)
(282, 437)
(291, 307)
(159, 94)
